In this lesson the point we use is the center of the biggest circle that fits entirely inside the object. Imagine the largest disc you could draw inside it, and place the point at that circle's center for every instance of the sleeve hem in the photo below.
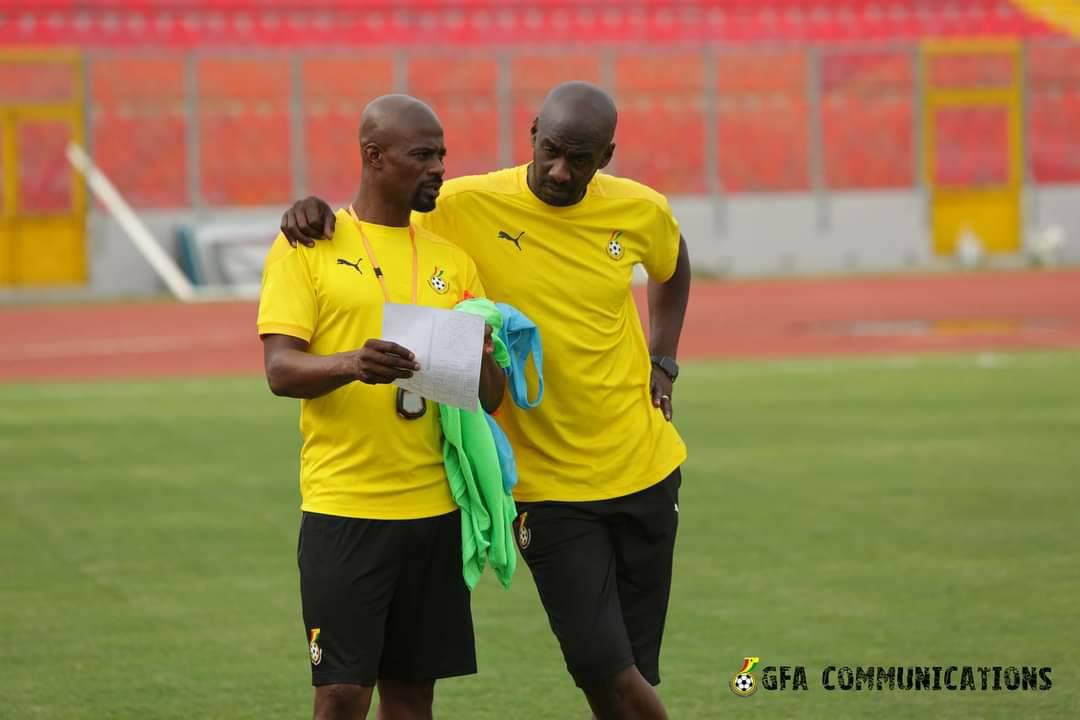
(669, 267)
(275, 328)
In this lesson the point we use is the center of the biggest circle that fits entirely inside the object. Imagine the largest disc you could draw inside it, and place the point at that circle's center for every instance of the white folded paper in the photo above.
(449, 347)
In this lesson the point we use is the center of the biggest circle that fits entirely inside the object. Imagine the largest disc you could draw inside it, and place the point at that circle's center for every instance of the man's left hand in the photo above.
(661, 391)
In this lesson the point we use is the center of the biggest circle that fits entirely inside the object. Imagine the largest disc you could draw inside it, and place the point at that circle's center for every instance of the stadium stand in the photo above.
(971, 144)
(1054, 113)
(762, 121)
(162, 116)
(138, 127)
(45, 184)
(483, 22)
(661, 120)
(462, 90)
(532, 76)
(334, 91)
(243, 110)
(867, 119)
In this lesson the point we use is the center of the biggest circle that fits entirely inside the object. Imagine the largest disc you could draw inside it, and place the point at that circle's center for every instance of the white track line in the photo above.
(105, 347)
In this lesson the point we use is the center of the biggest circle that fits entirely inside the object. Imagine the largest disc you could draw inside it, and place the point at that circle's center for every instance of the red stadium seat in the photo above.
(244, 129)
(763, 145)
(1055, 152)
(145, 157)
(335, 91)
(647, 73)
(1053, 65)
(972, 147)
(423, 23)
(139, 128)
(868, 142)
(867, 120)
(661, 134)
(762, 118)
(462, 91)
(766, 71)
(30, 82)
(982, 70)
(662, 145)
(43, 177)
(531, 77)
(1054, 113)
(139, 119)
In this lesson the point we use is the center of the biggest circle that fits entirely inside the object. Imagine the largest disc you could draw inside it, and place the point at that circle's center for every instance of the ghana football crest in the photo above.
(614, 245)
(314, 649)
(437, 282)
(524, 534)
(743, 683)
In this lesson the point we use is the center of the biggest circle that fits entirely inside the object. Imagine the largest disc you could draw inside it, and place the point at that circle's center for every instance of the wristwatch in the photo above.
(668, 365)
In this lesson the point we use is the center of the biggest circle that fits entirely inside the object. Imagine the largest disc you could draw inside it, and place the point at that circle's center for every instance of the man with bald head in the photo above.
(384, 601)
(598, 461)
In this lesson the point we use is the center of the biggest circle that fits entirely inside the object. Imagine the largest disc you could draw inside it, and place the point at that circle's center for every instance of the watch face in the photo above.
(667, 365)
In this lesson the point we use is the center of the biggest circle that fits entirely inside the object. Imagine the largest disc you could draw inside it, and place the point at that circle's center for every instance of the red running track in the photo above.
(739, 319)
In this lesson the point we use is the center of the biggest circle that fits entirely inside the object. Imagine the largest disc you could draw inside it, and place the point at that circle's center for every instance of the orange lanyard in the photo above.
(375, 262)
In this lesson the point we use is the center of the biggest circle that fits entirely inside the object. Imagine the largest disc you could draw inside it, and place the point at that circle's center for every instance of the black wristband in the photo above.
(667, 364)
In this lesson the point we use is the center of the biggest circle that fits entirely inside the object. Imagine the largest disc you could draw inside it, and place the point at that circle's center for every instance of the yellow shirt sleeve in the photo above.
(662, 254)
(287, 301)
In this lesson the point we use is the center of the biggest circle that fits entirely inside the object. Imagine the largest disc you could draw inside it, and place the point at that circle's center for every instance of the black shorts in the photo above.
(603, 571)
(384, 598)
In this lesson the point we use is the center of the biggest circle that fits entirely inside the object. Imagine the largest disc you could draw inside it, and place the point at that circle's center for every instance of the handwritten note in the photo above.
(449, 347)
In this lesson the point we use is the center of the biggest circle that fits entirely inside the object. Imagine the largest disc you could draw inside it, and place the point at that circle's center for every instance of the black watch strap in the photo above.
(667, 364)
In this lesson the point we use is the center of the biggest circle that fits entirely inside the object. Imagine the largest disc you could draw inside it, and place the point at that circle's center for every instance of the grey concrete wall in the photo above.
(792, 234)
(1058, 205)
(117, 268)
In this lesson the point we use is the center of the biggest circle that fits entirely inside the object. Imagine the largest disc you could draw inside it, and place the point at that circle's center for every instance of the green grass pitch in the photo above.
(875, 511)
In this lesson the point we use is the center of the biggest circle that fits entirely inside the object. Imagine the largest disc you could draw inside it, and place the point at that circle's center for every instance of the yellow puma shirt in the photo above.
(596, 435)
(359, 458)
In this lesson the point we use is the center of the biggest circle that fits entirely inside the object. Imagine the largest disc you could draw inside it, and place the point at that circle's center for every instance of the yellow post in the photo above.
(989, 212)
(42, 246)
(8, 199)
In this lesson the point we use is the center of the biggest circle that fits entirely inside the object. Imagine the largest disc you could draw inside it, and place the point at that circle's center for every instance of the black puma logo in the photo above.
(355, 265)
(503, 235)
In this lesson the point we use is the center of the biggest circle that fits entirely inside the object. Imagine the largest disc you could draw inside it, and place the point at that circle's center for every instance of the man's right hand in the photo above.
(308, 220)
(381, 362)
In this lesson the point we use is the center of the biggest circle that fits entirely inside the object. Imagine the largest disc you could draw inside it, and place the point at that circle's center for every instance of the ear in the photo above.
(372, 154)
(606, 157)
(532, 133)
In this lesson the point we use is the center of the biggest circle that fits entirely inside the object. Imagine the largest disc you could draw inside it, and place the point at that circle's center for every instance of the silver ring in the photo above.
(665, 397)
